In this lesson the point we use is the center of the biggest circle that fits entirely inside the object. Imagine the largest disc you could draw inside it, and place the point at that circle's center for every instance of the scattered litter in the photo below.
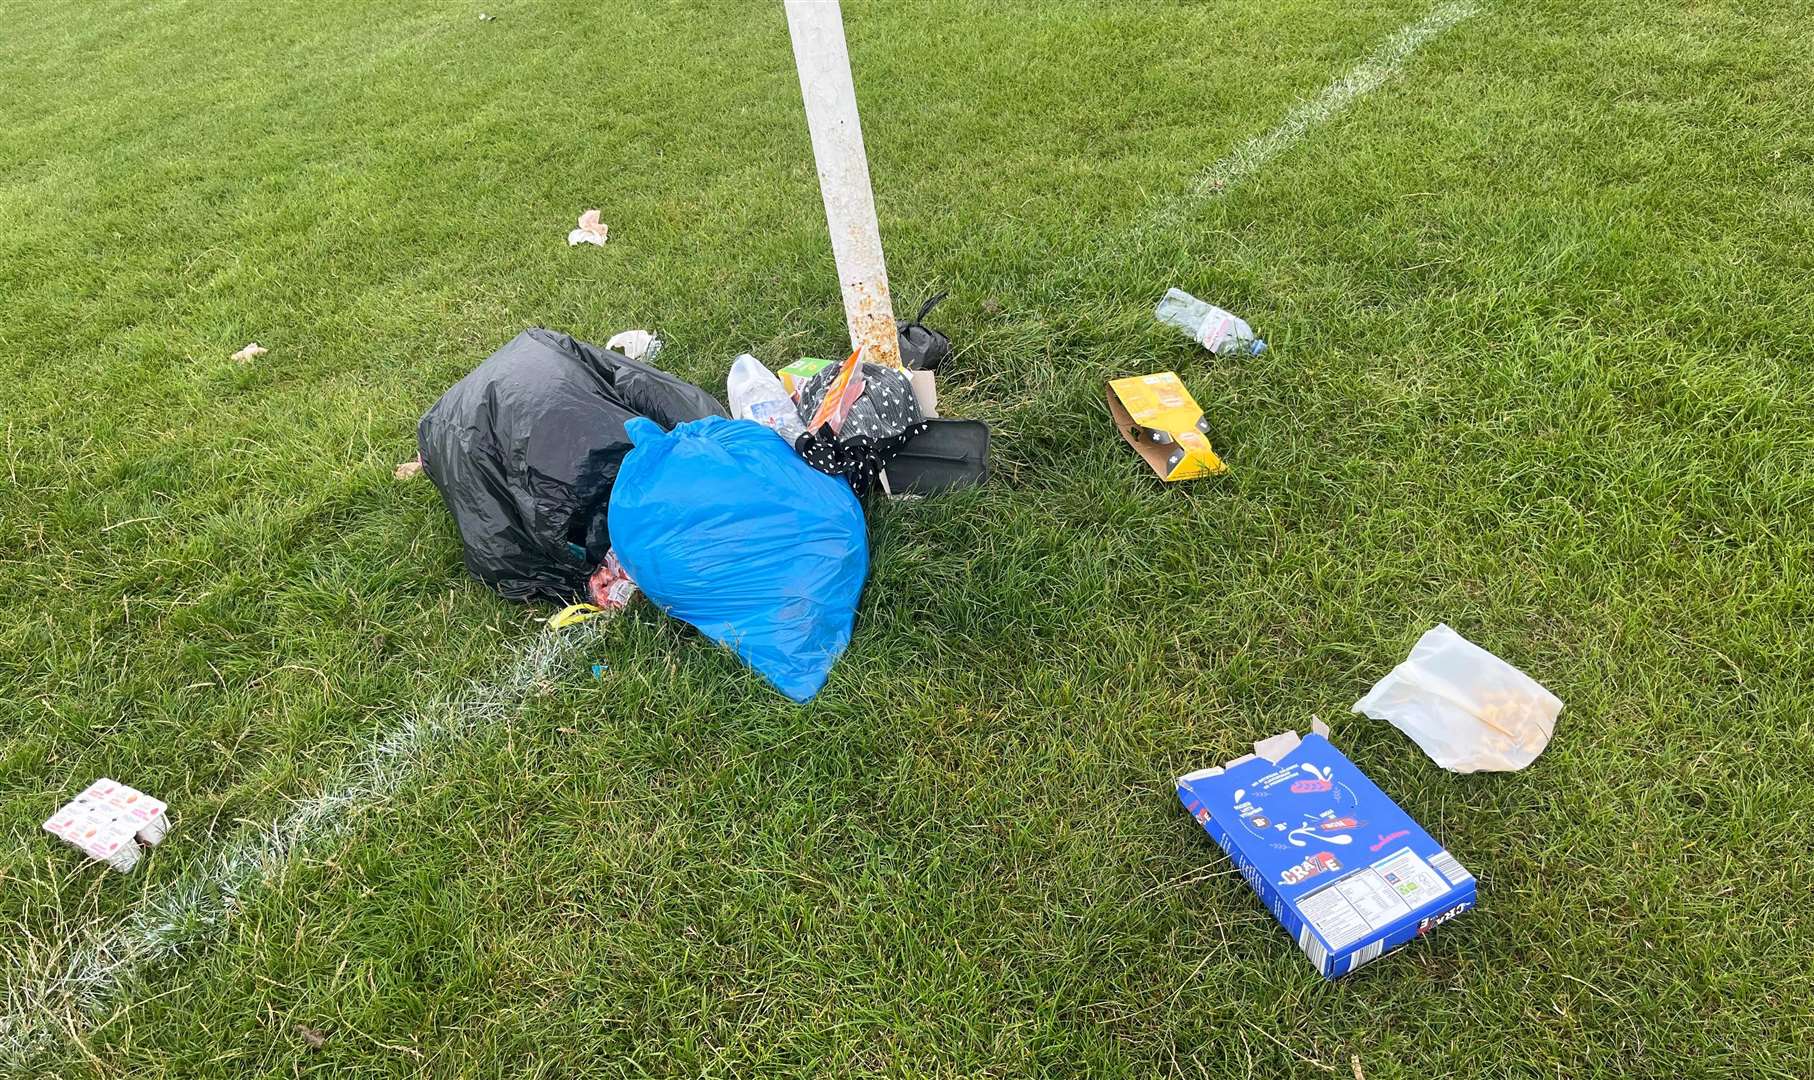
(246, 355)
(1343, 869)
(946, 454)
(314, 1037)
(799, 371)
(864, 415)
(1163, 423)
(525, 450)
(635, 344)
(574, 614)
(108, 821)
(755, 393)
(923, 349)
(831, 394)
(598, 670)
(1208, 325)
(610, 586)
(1466, 708)
(590, 231)
(568, 730)
(409, 470)
(483, 17)
(726, 528)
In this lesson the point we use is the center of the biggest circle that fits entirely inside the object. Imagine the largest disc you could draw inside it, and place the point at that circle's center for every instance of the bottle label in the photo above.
(775, 413)
(1214, 331)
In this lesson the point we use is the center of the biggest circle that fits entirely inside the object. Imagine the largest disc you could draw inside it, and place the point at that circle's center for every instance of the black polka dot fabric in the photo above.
(858, 459)
(884, 419)
(886, 408)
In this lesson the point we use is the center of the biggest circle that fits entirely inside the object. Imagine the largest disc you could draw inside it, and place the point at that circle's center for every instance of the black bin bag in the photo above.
(524, 451)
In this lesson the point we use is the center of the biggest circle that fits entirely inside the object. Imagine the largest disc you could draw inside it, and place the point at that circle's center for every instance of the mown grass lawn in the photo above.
(1541, 327)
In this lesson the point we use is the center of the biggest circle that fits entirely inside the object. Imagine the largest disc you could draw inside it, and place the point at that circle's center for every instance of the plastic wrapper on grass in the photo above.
(1466, 708)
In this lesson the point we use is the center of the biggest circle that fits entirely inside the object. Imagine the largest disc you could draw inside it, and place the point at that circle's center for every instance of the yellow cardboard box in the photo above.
(1161, 421)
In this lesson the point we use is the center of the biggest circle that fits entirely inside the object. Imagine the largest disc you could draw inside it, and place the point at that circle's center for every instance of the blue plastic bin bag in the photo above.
(721, 524)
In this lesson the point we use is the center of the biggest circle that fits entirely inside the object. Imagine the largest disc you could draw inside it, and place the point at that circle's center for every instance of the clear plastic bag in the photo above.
(1466, 708)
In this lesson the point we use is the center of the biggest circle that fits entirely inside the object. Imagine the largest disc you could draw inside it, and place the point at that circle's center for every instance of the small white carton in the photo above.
(108, 821)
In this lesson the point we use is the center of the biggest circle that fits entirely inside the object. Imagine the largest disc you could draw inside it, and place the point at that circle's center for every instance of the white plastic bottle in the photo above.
(1218, 331)
(756, 394)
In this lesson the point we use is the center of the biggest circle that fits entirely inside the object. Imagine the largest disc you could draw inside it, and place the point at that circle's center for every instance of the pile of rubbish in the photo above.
(587, 475)
(582, 475)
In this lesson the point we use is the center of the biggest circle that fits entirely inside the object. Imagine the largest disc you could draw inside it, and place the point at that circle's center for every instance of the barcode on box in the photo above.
(1312, 946)
(1366, 953)
(1445, 864)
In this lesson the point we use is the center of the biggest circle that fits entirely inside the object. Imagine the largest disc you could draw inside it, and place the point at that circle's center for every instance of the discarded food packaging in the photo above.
(1466, 708)
(1347, 873)
(108, 821)
(590, 231)
(1162, 422)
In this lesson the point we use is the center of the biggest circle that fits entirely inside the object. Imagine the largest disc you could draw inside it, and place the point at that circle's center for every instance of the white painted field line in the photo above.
(1360, 80)
(205, 898)
(75, 980)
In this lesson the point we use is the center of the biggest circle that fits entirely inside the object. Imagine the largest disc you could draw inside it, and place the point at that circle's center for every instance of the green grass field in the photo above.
(1541, 330)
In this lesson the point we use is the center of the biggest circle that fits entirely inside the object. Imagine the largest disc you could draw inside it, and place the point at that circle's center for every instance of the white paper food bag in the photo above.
(1466, 708)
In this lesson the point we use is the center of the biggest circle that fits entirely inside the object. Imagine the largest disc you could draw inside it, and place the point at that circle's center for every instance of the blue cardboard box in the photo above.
(1347, 873)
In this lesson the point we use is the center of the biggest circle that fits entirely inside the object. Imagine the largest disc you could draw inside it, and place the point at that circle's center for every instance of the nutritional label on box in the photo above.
(1333, 916)
(1411, 878)
(1347, 910)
